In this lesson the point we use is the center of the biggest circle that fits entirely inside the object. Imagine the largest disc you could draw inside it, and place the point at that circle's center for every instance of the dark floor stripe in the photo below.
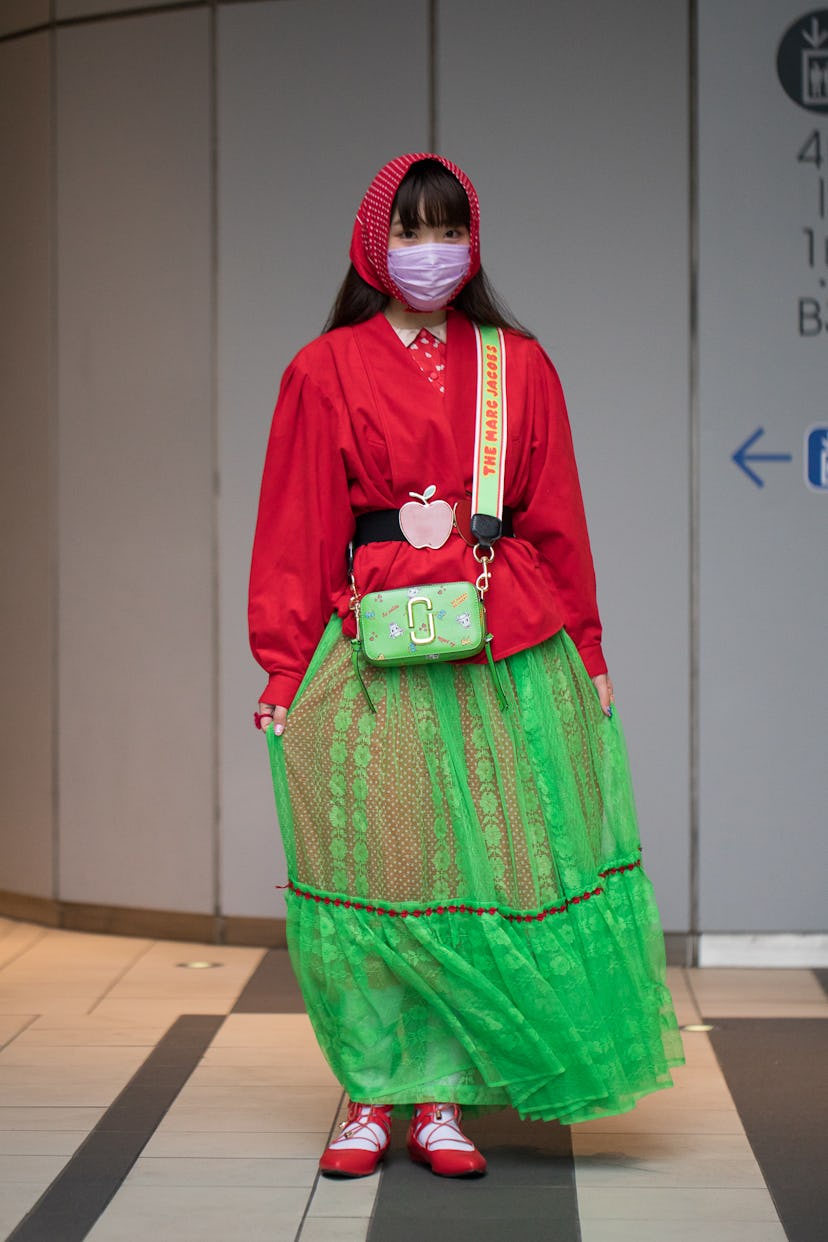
(528, 1193)
(776, 1072)
(822, 977)
(75, 1200)
(272, 988)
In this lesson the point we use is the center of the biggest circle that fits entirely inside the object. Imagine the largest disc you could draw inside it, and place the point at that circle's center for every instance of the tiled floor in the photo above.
(232, 1153)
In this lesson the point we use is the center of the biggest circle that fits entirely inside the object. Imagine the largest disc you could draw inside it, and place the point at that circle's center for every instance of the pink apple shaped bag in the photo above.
(446, 620)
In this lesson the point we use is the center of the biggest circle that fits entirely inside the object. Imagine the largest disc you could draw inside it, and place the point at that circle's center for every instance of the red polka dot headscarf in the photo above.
(369, 243)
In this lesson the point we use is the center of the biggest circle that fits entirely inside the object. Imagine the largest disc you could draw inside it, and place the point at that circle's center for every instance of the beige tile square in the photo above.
(744, 984)
(71, 1058)
(66, 1118)
(698, 1050)
(284, 1075)
(676, 1203)
(303, 1058)
(57, 953)
(709, 1091)
(201, 1214)
(13, 1024)
(677, 978)
(677, 1121)
(246, 1095)
(59, 975)
(55, 1030)
(251, 1030)
(263, 1144)
(724, 1008)
(15, 1202)
(150, 1171)
(670, 1147)
(196, 992)
(284, 1040)
(163, 1011)
(159, 974)
(35, 1086)
(290, 1031)
(706, 1074)
(328, 1229)
(161, 953)
(41, 1000)
(281, 1110)
(680, 1231)
(40, 1142)
(683, 1000)
(17, 939)
(39, 1170)
(637, 1160)
(343, 1197)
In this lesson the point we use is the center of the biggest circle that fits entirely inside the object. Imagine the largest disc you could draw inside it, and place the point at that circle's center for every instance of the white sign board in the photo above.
(763, 398)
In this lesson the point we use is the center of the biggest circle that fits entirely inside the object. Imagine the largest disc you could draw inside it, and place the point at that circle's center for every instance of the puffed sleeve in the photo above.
(304, 525)
(553, 518)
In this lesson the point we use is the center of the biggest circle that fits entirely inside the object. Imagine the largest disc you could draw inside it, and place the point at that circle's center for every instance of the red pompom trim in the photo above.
(350, 904)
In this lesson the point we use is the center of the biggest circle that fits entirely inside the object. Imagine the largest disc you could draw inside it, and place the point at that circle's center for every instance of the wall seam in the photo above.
(432, 75)
(694, 478)
(54, 458)
(216, 480)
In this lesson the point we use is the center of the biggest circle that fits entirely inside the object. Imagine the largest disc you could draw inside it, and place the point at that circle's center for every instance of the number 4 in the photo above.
(811, 150)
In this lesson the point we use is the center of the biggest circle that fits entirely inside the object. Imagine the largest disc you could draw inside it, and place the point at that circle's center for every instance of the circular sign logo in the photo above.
(802, 61)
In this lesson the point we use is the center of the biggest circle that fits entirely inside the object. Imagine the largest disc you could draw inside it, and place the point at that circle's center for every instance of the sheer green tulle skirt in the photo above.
(468, 917)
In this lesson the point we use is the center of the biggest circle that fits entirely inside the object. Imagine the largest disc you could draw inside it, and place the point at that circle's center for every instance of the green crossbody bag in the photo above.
(415, 625)
(447, 620)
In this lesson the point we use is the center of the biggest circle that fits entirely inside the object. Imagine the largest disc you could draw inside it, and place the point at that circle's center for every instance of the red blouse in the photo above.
(357, 426)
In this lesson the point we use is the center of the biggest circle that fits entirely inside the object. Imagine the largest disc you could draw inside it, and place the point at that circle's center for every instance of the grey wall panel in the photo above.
(136, 463)
(22, 15)
(572, 120)
(763, 586)
(26, 478)
(313, 98)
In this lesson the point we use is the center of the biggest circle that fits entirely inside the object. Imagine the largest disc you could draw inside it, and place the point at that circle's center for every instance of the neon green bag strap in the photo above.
(489, 436)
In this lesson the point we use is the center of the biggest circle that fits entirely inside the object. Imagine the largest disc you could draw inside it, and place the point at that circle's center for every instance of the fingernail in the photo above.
(608, 710)
(278, 729)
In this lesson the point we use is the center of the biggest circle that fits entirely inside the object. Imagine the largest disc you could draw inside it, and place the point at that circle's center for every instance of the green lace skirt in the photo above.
(468, 917)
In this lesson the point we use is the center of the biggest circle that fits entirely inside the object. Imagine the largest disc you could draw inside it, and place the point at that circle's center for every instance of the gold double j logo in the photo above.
(427, 624)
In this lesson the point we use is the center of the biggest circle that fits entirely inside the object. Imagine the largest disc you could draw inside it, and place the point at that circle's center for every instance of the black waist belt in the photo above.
(383, 526)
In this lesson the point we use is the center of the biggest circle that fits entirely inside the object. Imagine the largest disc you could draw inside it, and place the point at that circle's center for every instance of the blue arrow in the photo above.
(742, 457)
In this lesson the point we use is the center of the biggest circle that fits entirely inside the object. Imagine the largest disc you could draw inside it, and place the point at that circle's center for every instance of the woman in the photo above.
(467, 913)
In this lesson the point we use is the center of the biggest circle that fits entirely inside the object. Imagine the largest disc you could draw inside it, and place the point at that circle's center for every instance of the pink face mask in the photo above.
(428, 273)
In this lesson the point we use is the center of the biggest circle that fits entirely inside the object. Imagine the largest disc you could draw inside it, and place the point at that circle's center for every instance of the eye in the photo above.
(457, 233)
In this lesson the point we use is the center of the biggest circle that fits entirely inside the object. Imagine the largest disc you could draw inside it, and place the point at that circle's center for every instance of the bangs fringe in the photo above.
(432, 196)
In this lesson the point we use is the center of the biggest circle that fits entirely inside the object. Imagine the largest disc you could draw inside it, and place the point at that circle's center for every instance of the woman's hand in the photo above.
(603, 685)
(273, 717)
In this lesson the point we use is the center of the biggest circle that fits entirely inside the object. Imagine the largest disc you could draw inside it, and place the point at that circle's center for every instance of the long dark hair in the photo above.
(428, 194)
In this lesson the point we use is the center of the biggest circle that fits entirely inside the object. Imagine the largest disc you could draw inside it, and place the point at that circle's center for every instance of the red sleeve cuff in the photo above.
(593, 658)
(281, 690)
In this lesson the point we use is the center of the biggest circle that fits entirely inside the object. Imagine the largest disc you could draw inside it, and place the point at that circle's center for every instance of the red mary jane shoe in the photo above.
(361, 1145)
(435, 1139)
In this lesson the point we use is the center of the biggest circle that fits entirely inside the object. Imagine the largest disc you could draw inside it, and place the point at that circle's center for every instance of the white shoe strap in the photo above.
(361, 1135)
(444, 1135)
